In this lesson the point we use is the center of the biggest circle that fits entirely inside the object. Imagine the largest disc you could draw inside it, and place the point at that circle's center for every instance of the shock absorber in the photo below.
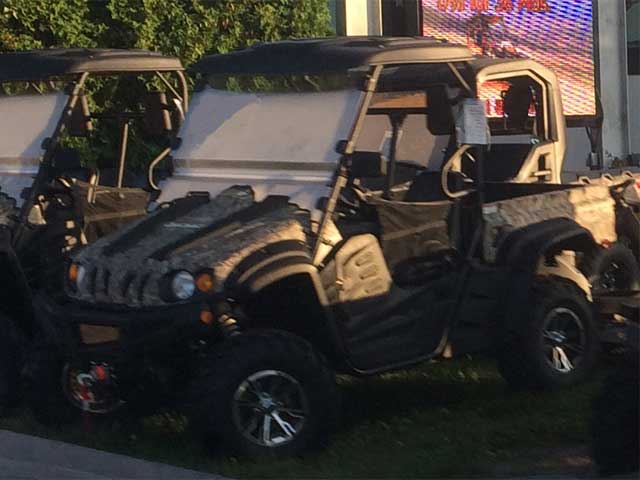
(227, 321)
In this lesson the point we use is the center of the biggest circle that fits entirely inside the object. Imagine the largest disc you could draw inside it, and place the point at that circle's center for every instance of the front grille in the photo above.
(116, 283)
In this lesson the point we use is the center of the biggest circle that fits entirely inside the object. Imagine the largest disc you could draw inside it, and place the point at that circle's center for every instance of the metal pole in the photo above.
(396, 123)
(372, 82)
(185, 91)
(123, 151)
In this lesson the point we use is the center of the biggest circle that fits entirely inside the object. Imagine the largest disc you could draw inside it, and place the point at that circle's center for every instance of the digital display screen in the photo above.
(555, 33)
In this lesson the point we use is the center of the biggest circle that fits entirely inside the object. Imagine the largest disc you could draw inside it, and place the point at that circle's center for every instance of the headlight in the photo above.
(183, 285)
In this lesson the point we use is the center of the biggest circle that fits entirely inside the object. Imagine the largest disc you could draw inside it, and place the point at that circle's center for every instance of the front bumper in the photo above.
(75, 327)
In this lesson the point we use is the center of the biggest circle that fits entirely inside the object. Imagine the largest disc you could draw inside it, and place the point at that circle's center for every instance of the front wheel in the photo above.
(265, 394)
(551, 341)
(43, 390)
(9, 364)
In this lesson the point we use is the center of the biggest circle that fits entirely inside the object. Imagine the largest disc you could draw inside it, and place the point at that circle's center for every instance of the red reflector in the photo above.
(100, 373)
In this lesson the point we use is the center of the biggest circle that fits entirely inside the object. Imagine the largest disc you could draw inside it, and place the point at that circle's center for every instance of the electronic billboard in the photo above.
(555, 33)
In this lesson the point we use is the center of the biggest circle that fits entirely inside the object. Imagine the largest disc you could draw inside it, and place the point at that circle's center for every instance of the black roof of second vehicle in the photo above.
(331, 55)
(42, 64)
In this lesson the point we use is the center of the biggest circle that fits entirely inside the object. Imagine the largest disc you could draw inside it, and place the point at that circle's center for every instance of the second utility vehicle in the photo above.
(53, 200)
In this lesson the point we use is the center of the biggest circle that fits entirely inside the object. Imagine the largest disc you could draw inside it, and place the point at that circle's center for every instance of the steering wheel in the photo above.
(456, 162)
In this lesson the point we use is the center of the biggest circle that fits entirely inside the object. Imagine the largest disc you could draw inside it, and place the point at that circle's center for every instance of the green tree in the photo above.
(45, 23)
(185, 28)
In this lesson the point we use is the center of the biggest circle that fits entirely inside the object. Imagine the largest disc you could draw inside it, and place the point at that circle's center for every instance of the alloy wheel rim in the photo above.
(564, 339)
(270, 408)
(72, 389)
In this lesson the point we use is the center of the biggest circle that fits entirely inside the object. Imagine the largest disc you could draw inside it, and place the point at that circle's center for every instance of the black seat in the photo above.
(426, 187)
(504, 160)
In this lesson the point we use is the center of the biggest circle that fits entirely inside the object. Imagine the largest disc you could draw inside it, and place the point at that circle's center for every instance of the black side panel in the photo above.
(399, 328)
(383, 325)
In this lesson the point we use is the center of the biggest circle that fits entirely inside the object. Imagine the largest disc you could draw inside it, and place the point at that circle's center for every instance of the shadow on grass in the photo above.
(454, 418)
(446, 385)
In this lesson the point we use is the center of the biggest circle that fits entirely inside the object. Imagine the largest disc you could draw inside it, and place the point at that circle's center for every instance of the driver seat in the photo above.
(426, 187)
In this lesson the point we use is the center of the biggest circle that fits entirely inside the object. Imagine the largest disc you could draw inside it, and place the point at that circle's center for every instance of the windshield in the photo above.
(267, 127)
(25, 121)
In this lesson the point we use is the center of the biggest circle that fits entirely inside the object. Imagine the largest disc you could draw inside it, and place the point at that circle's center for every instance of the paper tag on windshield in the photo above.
(471, 123)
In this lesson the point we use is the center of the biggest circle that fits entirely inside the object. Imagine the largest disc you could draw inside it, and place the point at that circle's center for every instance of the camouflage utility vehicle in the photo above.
(425, 245)
(52, 201)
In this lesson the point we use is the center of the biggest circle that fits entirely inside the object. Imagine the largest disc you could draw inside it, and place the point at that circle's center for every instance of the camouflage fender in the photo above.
(8, 210)
(590, 207)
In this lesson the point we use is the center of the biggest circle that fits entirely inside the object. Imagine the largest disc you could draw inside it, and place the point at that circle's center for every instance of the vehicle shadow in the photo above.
(407, 391)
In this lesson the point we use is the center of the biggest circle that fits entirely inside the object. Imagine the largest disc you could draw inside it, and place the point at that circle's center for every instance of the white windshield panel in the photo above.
(25, 121)
(265, 136)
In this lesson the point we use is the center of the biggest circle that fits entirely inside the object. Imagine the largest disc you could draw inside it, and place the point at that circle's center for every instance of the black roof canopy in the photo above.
(42, 64)
(316, 56)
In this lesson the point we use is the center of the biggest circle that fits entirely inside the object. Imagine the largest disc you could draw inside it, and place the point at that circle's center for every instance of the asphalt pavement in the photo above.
(32, 458)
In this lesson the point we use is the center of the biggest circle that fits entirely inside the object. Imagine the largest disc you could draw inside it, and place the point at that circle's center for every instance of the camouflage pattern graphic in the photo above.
(7, 210)
(591, 207)
(133, 276)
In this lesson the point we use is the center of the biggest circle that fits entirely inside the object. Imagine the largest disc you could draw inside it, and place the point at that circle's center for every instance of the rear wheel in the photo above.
(612, 269)
(265, 394)
(552, 340)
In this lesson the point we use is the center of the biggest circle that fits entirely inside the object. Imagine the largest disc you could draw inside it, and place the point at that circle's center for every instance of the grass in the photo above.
(453, 419)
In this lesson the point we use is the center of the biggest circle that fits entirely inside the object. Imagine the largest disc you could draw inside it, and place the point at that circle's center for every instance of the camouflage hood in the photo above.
(191, 234)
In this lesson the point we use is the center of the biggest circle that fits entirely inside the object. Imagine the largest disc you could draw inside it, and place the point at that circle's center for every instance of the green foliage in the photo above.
(46, 23)
(184, 28)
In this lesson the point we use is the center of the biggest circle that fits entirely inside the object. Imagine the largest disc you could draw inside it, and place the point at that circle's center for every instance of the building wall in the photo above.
(358, 17)
(633, 53)
(634, 113)
(612, 44)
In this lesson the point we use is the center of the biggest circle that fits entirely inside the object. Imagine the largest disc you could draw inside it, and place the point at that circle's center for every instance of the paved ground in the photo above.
(26, 457)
